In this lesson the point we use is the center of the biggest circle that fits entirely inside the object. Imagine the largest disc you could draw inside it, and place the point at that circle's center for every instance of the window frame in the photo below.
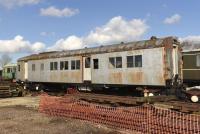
(134, 63)
(96, 63)
(33, 67)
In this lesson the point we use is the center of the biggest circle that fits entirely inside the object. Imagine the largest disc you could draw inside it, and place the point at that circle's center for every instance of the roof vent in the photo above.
(153, 38)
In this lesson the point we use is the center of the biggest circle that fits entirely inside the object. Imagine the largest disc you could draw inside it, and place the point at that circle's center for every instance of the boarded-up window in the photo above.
(42, 66)
(198, 60)
(33, 67)
(96, 63)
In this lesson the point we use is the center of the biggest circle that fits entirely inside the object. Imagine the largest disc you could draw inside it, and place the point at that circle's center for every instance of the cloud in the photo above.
(115, 30)
(190, 42)
(55, 12)
(173, 19)
(71, 42)
(18, 44)
(13, 3)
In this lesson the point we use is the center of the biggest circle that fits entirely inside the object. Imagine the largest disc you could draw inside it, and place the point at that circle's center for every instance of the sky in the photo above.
(33, 26)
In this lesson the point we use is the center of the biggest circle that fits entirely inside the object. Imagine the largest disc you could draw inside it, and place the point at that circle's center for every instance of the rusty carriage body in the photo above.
(147, 64)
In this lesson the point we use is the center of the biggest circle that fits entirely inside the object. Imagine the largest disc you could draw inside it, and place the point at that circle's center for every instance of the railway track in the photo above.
(166, 102)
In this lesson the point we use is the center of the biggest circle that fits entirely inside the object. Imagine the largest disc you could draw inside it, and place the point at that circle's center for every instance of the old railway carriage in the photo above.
(191, 67)
(148, 63)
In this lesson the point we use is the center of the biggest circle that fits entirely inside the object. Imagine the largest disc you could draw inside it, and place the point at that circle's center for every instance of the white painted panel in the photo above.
(87, 76)
(25, 70)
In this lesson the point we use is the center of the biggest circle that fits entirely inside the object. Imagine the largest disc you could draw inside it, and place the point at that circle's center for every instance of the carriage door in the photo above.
(86, 69)
(175, 59)
(26, 71)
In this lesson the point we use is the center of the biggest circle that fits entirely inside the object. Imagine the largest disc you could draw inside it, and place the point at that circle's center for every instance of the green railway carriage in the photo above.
(9, 71)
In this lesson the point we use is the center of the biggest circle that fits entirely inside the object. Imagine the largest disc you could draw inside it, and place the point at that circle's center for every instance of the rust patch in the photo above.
(115, 78)
(75, 77)
(136, 77)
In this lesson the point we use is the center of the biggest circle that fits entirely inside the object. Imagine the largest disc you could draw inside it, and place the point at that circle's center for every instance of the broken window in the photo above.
(96, 63)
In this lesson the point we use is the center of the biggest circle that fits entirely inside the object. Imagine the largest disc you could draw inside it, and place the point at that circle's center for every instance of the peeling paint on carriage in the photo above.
(157, 64)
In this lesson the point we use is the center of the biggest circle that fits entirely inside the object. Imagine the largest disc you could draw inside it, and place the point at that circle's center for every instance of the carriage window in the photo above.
(42, 66)
(8, 70)
(112, 62)
(75, 64)
(118, 62)
(134, 61)
(138, 61)
(55, 65)
(61, 65)
(198, 60)
(87, 62)
(130, 62)
(33, 67)
(51, 65)
(96, 63)
(66, 65)
(19, 68)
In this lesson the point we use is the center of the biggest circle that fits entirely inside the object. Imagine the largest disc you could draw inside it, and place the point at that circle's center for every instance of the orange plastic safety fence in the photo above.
(144, 119)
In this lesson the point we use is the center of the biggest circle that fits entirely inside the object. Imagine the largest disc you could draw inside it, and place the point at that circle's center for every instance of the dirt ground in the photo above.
(20, 116)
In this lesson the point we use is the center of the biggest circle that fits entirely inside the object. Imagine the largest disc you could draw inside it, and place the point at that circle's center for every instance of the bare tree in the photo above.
(5, 59)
